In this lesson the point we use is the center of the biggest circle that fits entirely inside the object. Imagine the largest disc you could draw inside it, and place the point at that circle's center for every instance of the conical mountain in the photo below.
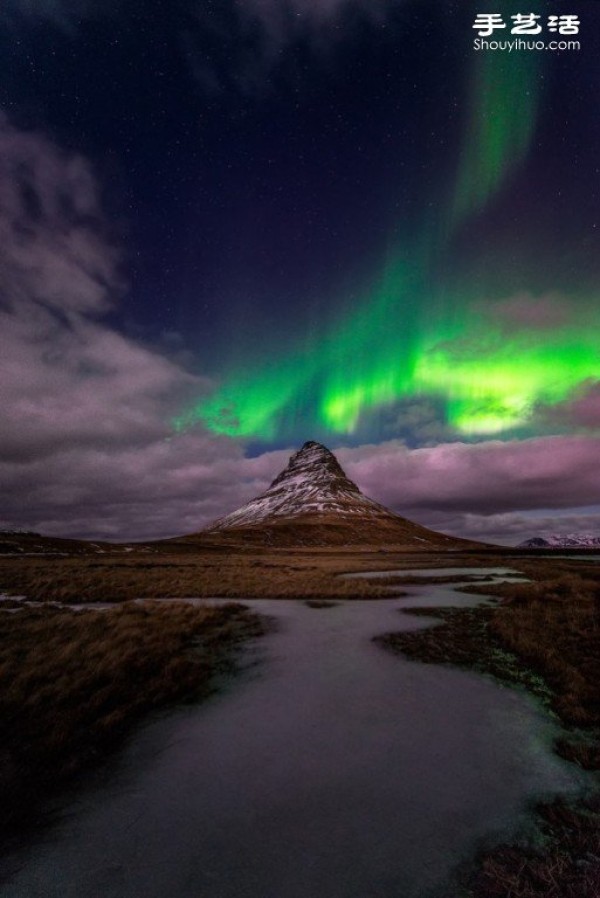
(312, 502)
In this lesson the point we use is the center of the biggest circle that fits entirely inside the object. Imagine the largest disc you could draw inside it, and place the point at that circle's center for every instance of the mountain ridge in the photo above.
(562, 541)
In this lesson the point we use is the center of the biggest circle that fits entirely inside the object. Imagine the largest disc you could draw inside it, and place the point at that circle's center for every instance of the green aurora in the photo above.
(491, 377)
(502, 110)
(406, 338)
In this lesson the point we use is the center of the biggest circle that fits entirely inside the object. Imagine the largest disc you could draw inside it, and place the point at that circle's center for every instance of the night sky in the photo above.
(230, 226)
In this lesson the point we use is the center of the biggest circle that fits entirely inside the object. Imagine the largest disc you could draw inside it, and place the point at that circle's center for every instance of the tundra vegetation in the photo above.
(543, 635)
(221, 574)
(73, 683)
(74, 680)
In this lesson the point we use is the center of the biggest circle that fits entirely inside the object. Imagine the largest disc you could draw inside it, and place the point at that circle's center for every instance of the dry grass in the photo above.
(568, 867)
(229, 575)
(549, 627)
(545, 635)
(216, 571)
(72, 684)
(464, 641)
(553, 626)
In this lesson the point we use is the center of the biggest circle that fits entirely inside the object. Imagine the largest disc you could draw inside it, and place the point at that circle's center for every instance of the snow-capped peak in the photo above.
(312, 483)
(562, 541)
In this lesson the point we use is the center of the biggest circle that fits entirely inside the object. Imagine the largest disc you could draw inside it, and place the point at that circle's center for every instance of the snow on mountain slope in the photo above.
(313, 482)
(562, 541)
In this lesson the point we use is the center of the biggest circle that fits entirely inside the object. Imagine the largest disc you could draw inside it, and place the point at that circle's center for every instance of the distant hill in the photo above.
(562, 541)
(26, 542)
(313, 503)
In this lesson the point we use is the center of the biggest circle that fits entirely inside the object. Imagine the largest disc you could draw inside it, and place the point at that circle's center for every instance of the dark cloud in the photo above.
(581, 410)
(172, 486)
(416, 420)
(86, 445)
(545, 472)
(67, 378)
(85, 441)
(54, 247)
(511, 528)
(163, 488)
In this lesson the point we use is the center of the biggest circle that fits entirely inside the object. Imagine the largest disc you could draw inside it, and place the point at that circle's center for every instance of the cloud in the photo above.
(67, 378)
(546, 472)
(580, 411)
(584, 410)
(526, 312)
(169, 486)
(238, 44)
(55, 248)
(511, 528)
(85, 443)
(164, 487)
(419, 421)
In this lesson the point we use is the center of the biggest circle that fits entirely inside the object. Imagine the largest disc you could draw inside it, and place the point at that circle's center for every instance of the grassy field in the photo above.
(234, 573)
(256, 574)
(73, 683)
(545, 636)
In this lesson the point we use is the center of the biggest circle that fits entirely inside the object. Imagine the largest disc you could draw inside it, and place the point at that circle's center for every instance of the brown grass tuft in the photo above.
(568, 866)
(72, 684)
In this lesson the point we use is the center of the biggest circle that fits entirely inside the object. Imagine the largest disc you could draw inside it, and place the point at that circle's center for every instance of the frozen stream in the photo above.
(332, 768)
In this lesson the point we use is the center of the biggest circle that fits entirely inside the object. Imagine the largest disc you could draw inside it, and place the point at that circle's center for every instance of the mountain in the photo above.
(562, 541)
(312, 502)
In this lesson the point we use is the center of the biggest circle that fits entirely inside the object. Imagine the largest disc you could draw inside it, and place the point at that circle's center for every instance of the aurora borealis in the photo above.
(500, 122)
(228, 227)
(489, 378)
